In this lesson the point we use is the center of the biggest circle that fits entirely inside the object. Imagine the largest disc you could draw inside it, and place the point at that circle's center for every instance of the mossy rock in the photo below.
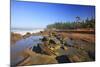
(54, 40)
(45, 39)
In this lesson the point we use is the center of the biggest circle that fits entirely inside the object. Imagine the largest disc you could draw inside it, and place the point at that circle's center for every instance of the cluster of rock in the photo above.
(59, 48)
(54, 45)
(50, 44)
(63, 48)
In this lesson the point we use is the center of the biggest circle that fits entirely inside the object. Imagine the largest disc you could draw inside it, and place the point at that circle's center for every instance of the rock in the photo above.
(15, 37)
(37, 49)
(49, 45)
(75, 58)
(63, 59)
(80, 56)
(58, 36)
(43, 48)
(64, 47)
(54, 41)
(45, 38)
(36, 59)
(46, 50)
(27, 35)
(52, 34)
(91, 55)
(44, 59)
(68, 42)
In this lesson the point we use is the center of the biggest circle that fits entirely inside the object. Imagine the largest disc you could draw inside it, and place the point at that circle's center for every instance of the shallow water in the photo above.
(21, 45)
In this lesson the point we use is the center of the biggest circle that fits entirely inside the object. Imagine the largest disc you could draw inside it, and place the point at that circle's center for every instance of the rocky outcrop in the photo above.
(56, 48)
(63, 59)
(15, 37)
(37, 58)
(68, 42)
(27, 35)
(37, 49)
(65, 49)
(45, 38)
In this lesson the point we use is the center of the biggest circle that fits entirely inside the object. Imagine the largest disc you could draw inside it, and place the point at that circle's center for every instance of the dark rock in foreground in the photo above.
(37, 49)
(63, 59)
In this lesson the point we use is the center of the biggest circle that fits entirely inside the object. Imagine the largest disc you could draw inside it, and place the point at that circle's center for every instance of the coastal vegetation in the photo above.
(78, 24)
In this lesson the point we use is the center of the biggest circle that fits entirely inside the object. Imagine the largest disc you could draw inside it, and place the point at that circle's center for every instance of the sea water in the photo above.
(24, 31)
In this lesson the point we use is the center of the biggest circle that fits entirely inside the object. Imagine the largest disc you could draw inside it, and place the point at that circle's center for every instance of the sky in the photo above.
(39, 15)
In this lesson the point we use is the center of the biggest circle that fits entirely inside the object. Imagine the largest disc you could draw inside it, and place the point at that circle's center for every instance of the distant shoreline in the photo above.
(23, 32)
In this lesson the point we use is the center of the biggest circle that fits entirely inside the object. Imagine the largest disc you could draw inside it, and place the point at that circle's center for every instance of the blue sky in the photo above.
(39, 15)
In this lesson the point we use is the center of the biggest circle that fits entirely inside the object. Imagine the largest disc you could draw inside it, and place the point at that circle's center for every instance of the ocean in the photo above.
(24, 31)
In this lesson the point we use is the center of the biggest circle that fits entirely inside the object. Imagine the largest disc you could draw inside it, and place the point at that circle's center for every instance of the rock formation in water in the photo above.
(28, 34)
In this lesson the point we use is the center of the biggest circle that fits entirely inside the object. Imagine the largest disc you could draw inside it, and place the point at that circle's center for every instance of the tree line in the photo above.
(87, 23)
